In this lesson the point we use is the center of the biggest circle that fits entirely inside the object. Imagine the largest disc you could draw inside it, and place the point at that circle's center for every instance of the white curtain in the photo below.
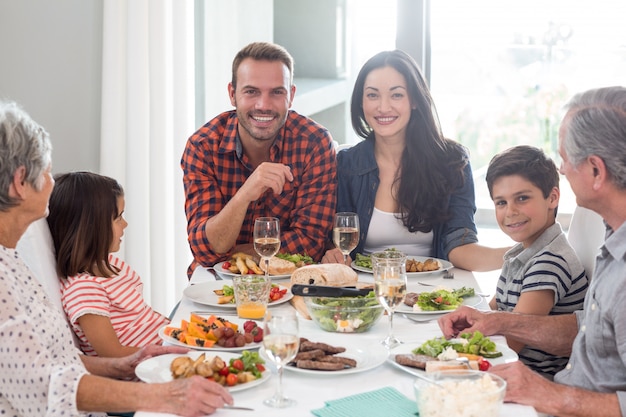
(147, 116)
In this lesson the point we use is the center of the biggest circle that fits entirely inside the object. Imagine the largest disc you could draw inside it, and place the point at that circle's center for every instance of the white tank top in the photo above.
(387, 231)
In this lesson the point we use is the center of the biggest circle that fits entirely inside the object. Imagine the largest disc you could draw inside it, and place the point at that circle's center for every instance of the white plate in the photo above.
(203, 294)
(444, 265)
(366, 359)
(176, 342)
(467, 301)
(226, 274)
(508, 355)
(157, 369)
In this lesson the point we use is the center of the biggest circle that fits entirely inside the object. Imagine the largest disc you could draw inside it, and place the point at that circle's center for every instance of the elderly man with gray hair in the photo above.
(592, 144)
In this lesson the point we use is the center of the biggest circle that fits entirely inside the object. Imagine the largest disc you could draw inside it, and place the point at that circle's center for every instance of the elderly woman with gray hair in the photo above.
(43, 373)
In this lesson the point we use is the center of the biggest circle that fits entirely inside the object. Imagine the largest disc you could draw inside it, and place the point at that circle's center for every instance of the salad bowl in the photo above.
(344, 314)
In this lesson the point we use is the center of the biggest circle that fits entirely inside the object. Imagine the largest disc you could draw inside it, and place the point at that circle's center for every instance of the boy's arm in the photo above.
(538, 303)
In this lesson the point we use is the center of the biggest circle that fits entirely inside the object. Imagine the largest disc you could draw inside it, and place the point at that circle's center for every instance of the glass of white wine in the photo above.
(346, 232)
(280, 343)
(389, 269)
(266, 239)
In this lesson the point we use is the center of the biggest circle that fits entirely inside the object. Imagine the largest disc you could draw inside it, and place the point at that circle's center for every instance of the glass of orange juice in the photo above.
(252, 294)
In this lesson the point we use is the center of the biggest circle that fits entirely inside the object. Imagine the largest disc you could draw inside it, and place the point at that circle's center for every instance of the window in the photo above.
(501, 71)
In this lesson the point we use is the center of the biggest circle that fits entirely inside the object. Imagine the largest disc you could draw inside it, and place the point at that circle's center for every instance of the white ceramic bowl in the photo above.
(462, 394)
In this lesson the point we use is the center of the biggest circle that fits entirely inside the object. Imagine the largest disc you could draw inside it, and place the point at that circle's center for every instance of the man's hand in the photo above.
(334, 256)
(266, 176)
(467, 320)
(523, 385)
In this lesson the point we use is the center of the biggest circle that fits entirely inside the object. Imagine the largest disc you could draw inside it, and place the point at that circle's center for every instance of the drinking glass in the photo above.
(266, 239)
(346, 233)
(389, 269)
(280, 342)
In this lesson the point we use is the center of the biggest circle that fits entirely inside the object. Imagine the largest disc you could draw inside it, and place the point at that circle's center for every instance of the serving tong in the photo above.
(325, 291)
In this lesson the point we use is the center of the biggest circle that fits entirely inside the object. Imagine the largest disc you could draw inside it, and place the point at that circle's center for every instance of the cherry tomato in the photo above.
(484, 365)
(260, 367)
(231, 379)
(226, 265)
(238, 364)
(224, 371)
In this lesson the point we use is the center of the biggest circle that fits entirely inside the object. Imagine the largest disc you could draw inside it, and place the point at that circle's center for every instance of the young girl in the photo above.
(102, 296)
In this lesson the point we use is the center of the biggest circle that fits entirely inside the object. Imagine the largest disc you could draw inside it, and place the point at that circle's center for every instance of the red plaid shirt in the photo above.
(214, 168)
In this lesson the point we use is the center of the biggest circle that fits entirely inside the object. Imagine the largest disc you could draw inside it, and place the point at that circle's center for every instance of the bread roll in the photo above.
(279, 266)
(332, 275)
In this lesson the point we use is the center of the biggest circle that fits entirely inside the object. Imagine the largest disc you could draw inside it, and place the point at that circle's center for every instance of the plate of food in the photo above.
(221, 332)
(208, 293)
(438, 301)
(426, 356)
(160, 369)
(281, 266)
(317, 358)
(416, 266)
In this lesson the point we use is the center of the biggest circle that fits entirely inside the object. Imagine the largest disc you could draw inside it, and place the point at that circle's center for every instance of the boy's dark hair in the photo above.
(529, 163)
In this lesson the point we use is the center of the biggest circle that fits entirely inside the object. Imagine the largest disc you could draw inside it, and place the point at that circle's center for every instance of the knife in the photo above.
(323, 291)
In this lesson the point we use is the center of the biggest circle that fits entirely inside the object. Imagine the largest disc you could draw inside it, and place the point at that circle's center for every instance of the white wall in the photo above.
(51, 60)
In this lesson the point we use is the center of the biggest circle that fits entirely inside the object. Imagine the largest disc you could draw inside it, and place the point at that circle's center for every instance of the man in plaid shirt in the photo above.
(260, 159)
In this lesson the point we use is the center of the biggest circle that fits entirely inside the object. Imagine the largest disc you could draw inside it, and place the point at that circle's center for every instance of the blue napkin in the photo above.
(386, 401)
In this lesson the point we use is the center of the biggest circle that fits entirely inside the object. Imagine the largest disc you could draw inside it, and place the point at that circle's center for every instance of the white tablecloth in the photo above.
(310, 391)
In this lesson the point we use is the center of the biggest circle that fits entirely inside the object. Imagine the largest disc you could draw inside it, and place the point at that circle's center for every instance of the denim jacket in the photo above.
(357, 174)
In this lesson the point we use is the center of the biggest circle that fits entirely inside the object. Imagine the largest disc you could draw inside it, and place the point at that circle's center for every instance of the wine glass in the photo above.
(389, 269)
(281, 343)
(266, 239)
(346, 233)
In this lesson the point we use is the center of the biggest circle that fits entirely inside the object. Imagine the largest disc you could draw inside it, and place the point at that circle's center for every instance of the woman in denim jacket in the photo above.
(411, 187)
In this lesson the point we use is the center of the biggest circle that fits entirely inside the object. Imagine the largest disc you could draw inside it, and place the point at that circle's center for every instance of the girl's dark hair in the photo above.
(432, 166)
(82, 208)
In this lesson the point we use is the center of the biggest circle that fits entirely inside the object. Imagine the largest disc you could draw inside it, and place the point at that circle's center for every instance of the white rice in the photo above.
(463, 398)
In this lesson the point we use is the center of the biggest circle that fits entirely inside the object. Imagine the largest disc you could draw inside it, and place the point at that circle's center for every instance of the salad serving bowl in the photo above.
(344, 314)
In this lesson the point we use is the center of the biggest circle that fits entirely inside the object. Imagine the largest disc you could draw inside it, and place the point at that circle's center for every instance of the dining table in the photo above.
(312, 390)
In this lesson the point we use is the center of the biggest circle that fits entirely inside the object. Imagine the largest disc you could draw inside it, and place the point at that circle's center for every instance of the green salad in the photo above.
(365, 261)
(475, 343)
(443, 299)
(345, 314)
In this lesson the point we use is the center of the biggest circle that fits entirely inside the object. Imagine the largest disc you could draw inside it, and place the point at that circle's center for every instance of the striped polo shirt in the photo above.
(549, 263)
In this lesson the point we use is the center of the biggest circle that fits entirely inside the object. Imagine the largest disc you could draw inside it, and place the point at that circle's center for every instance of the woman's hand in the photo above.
(126, 365)
(334, 256)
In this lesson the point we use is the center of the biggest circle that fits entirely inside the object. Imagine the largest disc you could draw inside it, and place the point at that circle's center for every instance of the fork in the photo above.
(447, 274)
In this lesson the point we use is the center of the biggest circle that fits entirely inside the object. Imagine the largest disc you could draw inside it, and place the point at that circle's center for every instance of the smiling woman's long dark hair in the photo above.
(82, 208)
(432, 166)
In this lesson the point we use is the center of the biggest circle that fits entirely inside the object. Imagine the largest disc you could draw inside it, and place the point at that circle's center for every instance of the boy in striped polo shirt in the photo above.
(541, 275)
